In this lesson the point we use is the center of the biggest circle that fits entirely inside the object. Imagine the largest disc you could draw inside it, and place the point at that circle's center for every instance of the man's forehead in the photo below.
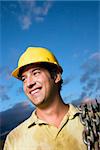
(29, 67)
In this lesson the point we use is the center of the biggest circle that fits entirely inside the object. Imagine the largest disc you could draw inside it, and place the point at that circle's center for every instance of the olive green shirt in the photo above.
(35, 134)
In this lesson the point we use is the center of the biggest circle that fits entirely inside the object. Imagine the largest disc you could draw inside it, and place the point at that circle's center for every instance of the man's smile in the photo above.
(35, 90)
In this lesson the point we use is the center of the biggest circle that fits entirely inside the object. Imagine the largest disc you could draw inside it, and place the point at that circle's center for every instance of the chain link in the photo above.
(90, 118)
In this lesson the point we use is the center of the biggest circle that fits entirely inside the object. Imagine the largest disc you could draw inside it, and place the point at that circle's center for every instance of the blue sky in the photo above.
(70, 29)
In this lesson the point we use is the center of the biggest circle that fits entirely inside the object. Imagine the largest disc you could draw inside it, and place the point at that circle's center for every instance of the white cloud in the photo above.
(31, 10)
(39, 19)
(27, 11)
(90, 78)
(95, 56)
(25, 22)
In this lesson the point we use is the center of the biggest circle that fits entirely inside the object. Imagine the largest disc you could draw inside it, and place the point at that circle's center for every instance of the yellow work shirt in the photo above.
(35, 134)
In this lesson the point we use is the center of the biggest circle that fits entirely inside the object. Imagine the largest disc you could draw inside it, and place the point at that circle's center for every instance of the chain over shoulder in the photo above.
(90, 118)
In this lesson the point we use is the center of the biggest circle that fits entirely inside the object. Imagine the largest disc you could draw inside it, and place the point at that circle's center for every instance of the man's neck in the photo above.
(54, 113)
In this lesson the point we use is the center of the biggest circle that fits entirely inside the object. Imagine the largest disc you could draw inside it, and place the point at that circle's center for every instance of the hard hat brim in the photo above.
(15, 73)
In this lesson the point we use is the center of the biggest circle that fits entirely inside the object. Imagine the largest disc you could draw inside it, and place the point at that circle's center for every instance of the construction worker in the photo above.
(53, 125)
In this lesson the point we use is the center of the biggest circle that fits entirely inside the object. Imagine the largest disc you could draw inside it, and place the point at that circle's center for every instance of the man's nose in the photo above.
(30, 82)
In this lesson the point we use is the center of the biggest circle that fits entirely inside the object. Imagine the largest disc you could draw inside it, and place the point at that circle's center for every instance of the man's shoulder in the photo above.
(73, 109)
(22, 127)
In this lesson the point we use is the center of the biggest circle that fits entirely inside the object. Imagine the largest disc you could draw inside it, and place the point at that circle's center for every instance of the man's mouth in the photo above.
(34, 91)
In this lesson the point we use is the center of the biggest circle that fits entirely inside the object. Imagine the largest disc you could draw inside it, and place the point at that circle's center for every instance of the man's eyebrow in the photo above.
(33, 69)
(37, 68)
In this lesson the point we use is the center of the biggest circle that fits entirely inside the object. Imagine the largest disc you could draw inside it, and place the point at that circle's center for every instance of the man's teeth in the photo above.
(35, 91)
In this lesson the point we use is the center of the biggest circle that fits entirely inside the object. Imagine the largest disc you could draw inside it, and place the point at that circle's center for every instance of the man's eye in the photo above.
(37, 72)
(23, 79)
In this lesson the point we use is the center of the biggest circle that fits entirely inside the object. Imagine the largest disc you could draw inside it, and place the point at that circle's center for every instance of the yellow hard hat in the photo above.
(35, 55)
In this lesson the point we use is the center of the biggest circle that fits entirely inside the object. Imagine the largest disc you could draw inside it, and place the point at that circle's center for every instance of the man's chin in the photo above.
(40, 104)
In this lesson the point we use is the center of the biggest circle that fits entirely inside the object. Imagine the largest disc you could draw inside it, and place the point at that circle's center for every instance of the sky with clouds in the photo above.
(70, 29)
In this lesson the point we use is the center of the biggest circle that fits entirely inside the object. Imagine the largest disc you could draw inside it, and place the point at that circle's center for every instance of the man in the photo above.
(53, 125)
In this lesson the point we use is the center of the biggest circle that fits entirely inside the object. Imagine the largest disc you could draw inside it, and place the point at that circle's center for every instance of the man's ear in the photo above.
(57, 77)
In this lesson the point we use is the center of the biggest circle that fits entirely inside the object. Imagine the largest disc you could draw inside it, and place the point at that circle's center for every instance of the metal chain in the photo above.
(90, 118)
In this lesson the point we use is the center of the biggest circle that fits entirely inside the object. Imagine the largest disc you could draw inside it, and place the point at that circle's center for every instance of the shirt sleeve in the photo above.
(8, 143)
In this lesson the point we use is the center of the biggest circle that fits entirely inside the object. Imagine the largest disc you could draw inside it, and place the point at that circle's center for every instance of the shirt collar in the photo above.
(34, 120)
(72, 112)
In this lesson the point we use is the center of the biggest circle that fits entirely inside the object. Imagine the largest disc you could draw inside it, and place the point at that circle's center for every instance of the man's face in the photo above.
(38, 85)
